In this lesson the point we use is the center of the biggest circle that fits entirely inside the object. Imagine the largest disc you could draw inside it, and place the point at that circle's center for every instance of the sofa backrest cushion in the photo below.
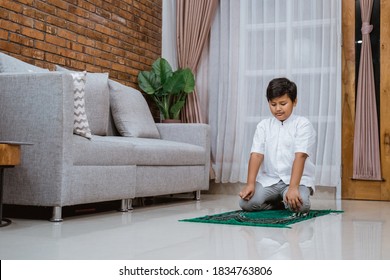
(9, 64)
(97, 105)
(131, 113)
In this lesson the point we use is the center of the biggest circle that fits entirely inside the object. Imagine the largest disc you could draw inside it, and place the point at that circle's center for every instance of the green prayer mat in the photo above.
(265, 218)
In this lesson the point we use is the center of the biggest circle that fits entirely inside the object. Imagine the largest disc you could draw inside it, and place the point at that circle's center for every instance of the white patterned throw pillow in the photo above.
(80, 125)
(97, 106)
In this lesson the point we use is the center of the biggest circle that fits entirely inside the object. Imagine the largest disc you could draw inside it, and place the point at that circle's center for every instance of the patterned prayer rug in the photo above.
(265, 218)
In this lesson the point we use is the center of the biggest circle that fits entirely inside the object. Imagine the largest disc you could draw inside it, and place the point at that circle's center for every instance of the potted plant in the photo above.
(169, 89)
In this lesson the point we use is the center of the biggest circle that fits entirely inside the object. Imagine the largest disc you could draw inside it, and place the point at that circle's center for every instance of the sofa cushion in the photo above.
(97, 104)
(80, 124)
(102, 151)
(164, 152)
(117, 150)
(9, 64)
(131, 112)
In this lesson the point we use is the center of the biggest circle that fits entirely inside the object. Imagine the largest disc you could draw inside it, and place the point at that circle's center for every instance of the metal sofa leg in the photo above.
(124, 203)
(57, 214)
(130, 204)
(197, 195)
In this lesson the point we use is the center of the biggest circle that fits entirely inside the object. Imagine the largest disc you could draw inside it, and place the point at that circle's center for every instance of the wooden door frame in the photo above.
(357, 189)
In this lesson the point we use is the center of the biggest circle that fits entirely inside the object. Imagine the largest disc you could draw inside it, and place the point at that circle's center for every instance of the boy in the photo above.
(283, 147)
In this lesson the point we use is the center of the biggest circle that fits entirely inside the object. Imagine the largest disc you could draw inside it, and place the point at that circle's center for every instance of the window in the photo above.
(298, 39)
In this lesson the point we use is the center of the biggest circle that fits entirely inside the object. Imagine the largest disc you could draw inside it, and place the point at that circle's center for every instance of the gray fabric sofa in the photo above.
(62, 168)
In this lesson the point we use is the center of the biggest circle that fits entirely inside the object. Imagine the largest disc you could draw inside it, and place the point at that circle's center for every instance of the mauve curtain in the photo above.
(194, 19)
(366, 156)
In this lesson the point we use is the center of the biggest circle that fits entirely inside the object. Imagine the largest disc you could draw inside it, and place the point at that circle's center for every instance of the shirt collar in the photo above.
(288, 120)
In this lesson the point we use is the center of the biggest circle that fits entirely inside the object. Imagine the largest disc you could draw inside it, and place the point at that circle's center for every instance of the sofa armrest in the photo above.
(191, 133)
(38, 108)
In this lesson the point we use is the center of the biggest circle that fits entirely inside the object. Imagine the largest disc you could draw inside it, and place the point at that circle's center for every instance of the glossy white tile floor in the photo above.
(153, 232)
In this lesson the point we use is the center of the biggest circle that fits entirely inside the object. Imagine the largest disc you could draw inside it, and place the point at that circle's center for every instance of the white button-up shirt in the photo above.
(278, 142)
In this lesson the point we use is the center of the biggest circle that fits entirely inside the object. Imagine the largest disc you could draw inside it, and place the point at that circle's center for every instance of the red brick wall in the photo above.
(120, 37)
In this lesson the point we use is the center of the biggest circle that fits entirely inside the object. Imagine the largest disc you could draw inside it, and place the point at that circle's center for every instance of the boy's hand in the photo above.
(247, 192)
(293, 199)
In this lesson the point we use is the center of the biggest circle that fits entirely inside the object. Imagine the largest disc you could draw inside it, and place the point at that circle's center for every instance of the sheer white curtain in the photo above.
(253, 41)
(169, 49)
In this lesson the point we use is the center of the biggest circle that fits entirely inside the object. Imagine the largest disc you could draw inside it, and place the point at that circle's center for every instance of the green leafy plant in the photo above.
(169, 89)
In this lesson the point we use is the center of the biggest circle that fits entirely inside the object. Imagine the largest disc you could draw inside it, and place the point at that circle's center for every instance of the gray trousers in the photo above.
(272, 197)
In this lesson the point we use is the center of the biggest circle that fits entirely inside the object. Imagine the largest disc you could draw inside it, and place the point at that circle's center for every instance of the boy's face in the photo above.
(282, 107)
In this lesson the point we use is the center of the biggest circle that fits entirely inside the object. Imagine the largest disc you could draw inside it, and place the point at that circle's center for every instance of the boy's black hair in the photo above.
(281, 86)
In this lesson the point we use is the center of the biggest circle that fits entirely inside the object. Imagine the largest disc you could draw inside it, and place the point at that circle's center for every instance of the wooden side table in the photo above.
(9, 157)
